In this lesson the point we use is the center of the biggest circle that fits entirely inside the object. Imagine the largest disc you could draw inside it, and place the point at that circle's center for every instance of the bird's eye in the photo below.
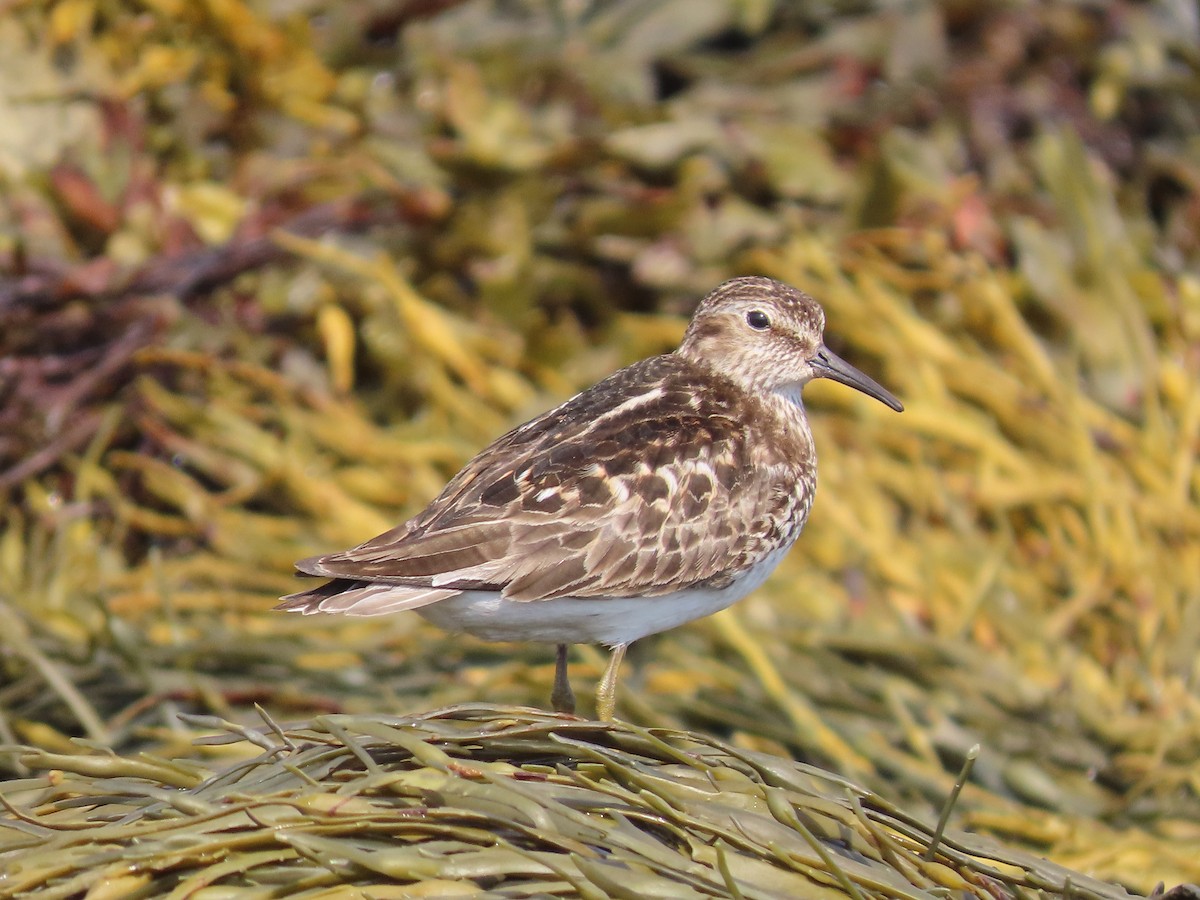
(758, 320)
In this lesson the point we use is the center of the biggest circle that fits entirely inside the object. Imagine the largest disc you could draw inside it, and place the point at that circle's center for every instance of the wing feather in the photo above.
(360, 598)
(637, 487)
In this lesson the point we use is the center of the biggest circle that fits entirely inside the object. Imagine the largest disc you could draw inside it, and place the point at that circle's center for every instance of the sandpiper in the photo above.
(664, 493)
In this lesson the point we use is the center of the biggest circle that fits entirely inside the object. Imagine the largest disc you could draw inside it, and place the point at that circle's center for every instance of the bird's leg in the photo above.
(562, 698)
(606, 694)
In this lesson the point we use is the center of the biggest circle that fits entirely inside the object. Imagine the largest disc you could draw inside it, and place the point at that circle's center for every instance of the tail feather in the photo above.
(361, 598)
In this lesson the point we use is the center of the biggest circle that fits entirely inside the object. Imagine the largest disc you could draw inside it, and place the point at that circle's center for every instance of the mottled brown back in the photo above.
(648, 483)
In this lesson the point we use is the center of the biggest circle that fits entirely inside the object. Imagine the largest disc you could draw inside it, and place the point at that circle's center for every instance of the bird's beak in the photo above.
(827, 364)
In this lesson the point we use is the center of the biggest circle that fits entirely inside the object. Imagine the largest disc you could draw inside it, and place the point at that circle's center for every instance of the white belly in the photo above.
(611, 621)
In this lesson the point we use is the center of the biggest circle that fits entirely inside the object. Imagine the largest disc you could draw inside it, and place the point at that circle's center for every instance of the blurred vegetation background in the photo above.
(270, 272)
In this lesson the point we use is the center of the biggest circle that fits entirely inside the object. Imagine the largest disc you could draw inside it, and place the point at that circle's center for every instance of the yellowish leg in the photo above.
(562, 698)
(606, 694)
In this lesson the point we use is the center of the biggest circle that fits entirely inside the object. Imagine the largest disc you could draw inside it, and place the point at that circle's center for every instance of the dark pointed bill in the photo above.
(827, 364)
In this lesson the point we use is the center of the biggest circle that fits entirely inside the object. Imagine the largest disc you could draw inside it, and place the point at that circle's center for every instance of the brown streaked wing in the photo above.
(603, 496)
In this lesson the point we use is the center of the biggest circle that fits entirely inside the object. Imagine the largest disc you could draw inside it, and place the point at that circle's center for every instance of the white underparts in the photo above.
(566, 620)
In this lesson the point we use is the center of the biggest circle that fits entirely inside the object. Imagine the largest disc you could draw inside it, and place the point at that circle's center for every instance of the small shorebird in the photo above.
(664, 493)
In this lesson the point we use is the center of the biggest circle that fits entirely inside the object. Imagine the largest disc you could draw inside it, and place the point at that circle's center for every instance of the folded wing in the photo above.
(638, 487)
